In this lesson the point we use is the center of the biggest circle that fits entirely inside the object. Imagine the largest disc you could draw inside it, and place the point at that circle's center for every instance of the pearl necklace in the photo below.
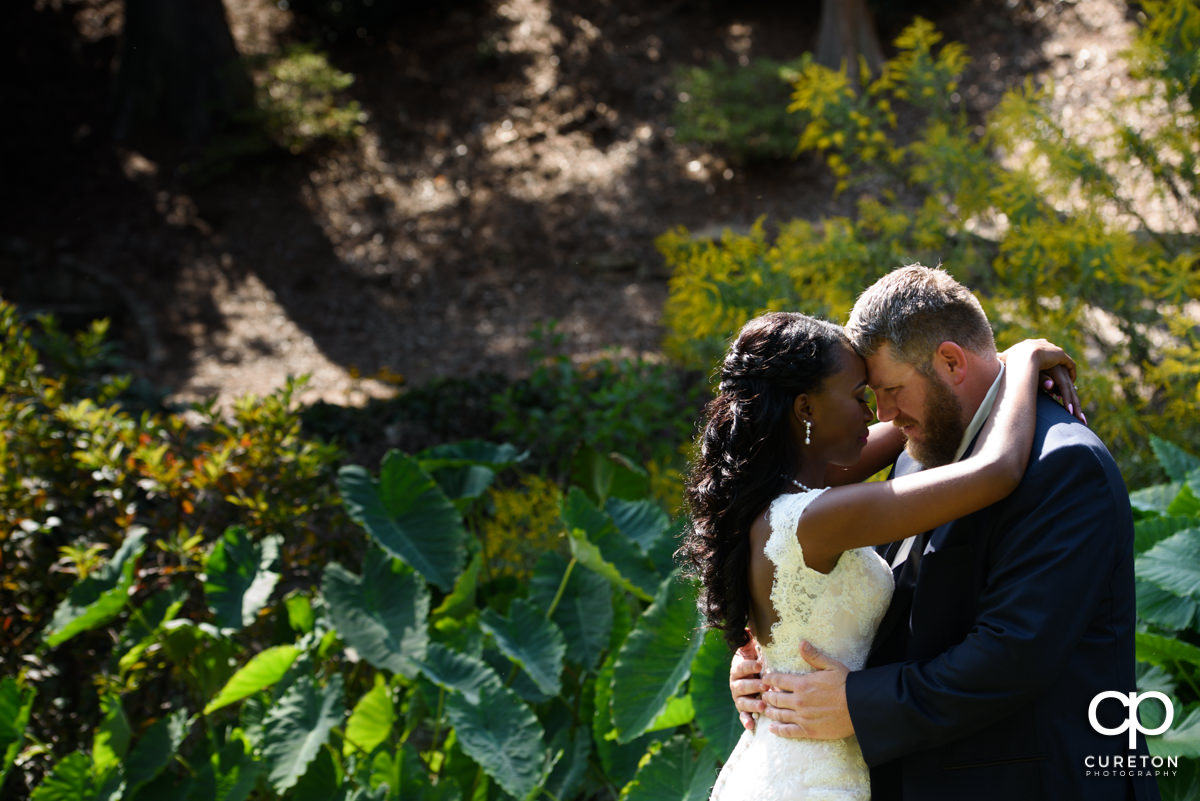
(798, 484)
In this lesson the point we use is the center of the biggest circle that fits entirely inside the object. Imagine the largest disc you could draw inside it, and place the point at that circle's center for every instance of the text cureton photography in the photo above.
(1129, 765)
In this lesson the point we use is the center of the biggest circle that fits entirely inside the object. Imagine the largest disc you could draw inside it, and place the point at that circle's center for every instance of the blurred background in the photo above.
(380, 193)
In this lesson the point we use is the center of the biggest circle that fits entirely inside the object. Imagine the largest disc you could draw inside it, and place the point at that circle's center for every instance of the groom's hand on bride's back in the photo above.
(810, 705)
(745, 684)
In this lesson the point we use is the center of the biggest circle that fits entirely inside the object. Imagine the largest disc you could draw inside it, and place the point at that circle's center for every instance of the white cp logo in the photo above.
(1133, 725)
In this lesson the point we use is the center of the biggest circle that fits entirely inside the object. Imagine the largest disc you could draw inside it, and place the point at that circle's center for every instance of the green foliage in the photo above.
(565, 410)
(739, 108)
(397, 687)
(1166, 544)
(397, 662)
(301, 98)
(1043, 225)
(81, 473)
(108, 514)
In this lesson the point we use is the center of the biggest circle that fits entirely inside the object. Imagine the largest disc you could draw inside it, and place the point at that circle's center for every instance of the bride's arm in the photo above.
(884, 511)
(884, 443)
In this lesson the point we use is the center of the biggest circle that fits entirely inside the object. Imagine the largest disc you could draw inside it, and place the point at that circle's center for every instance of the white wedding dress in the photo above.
(838, 613)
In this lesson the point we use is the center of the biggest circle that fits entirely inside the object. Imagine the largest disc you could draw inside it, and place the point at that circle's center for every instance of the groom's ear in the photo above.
(950, 362)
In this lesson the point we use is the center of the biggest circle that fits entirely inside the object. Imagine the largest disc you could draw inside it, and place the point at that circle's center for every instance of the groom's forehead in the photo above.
(884, 369)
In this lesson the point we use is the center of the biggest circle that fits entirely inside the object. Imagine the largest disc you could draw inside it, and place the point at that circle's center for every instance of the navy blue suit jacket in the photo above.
(1021, 613)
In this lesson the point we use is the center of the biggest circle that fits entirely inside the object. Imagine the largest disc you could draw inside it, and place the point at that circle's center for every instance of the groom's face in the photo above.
(924, 408)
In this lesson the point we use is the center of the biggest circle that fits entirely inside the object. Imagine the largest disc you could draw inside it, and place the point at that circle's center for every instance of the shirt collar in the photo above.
(981, 414)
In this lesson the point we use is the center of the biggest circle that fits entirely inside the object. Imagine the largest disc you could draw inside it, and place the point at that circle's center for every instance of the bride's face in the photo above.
(840, 411)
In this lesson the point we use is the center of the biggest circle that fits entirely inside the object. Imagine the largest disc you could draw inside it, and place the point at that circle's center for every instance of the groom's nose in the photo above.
(885, 410)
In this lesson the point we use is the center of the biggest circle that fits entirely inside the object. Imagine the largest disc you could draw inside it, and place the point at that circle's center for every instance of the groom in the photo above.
(1005, 624)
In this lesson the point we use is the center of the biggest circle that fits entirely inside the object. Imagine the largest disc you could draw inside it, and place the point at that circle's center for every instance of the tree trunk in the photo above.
(179, 70)
(847, 35)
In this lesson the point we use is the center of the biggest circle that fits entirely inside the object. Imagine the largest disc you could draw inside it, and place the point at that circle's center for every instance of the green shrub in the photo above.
(739, 109)
(300, 96)
(1049, 243)
(1167, 542)
(633, 406)
(407, 673)
(486, 638)
(86, 480)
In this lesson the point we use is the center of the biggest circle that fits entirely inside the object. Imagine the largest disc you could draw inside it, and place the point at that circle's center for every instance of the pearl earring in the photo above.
(808, 432)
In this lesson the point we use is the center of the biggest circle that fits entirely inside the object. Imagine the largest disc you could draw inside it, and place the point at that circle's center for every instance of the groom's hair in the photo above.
(914, 309)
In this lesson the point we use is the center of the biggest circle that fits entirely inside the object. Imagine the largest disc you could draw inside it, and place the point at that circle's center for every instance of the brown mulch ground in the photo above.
(518, 163)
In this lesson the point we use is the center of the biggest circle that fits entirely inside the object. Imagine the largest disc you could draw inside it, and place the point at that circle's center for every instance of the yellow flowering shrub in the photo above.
(523, 525)
(1045, 227)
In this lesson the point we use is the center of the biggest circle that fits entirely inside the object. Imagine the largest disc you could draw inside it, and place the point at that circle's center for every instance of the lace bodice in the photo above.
(837, 612)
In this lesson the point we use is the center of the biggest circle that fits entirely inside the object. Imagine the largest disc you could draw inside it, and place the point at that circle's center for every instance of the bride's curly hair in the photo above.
(748, 454)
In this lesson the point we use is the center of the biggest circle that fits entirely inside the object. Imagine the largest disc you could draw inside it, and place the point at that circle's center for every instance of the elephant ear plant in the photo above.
(411, 673)
(1167, 566)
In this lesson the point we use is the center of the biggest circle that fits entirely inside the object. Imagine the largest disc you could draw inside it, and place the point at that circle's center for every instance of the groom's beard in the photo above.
(942, 429)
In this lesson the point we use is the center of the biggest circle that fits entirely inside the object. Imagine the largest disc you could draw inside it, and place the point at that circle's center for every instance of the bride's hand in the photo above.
(1057, 371)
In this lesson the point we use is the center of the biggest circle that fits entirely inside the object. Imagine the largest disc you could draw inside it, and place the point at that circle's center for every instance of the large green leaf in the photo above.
(382, 614)
(155, 750)
(408, 515)
(642, 521)
(608, 475)
(100, 597)
(471, 452)
(297, 726)
(503, 735)
(464, 470)
(596, 541)
(1162, 608)
(263, 670)
(620, 760)
(678, 711)
(709, 687)
(461, 602)
(1174, 460)
(528, 638)
(69, 780)
(458, 672)
(673, 772)
(1187, 502)
(1149, 532)
(1174, 563)
(1164, 651)
(110, 741)
(240, 575)
(15, 705)
(590, 556)
(584, 609)
(371, 720)
(1182, 739)
(655, 659)
(1156, 499)
(1184, 785)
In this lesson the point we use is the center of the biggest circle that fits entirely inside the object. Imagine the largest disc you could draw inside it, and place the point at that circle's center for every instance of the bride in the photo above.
(781, 529)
